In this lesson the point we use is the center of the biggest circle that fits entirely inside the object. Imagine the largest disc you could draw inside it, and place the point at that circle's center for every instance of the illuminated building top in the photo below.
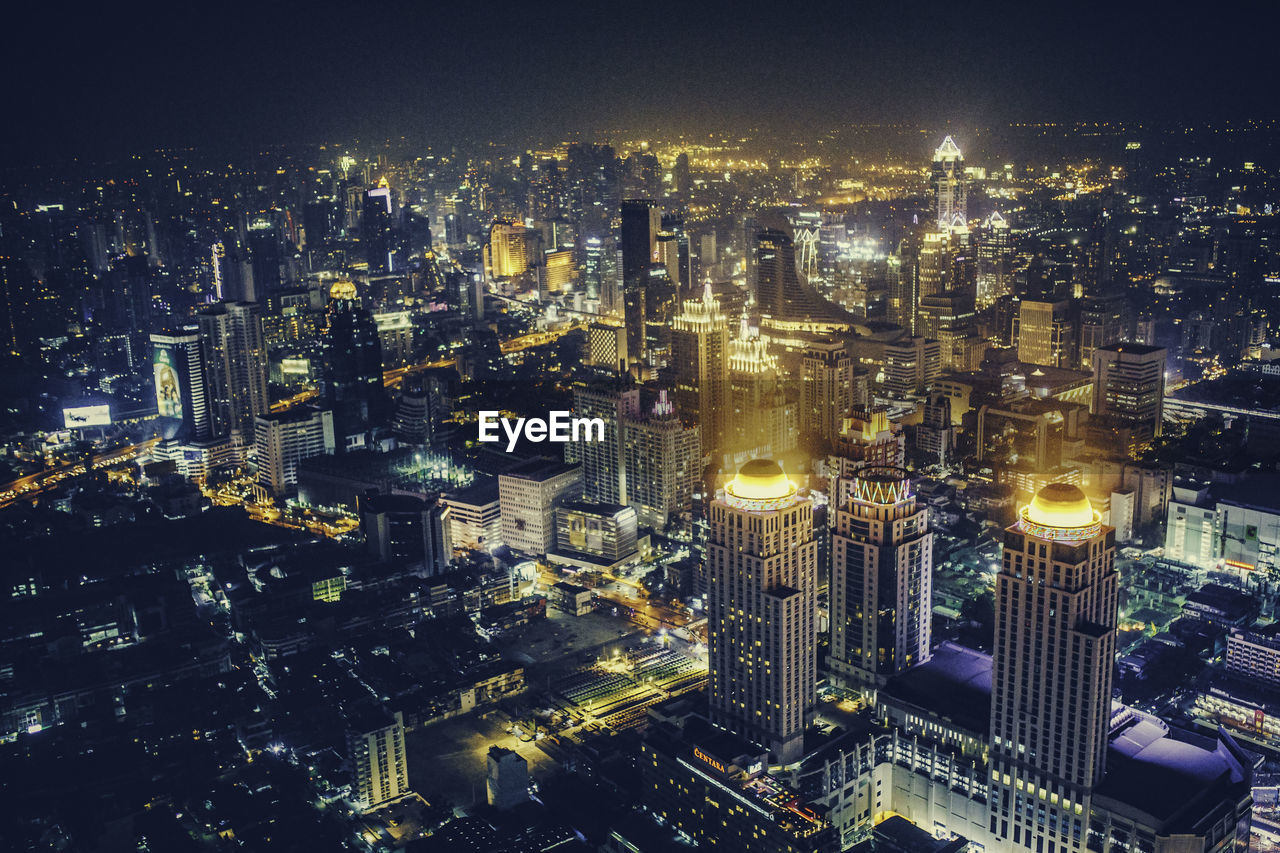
(882, 485)
(751, 355)
(760, 486)
(700, 314)
(948, 150)
(343, 289)
(1060, 511)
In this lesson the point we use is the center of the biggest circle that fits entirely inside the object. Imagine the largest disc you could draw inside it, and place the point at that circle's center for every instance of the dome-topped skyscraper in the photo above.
(762, 571)
(1054, 651)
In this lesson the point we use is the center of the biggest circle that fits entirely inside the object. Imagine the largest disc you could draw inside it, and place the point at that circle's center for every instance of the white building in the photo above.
(283, 439)
(528, 495)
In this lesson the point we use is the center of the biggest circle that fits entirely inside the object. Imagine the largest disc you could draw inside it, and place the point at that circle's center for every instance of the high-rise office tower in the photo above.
(663, 463)
(935, 435)
(528, 495)
(780, 292)
(1128, 385)
(673, 251)
(868, 437)
(762, 568)
(606, 349)
(283, 439)
(1104, 320)
(641, 222)
(508, 252)
(762, 420)
(881, 579)
(181, 377)
(827, 388)
(680, 176)
(1052, 661)
(947, 180)
(660, 307)
(352, 383)
(237, 365)
(376, 228)
(903, 286)
(995, 261)
(265, 257)
(700, 365)
(420, 410)
(910, 364)
(601, 275)
(933, 263)
(604, 464)
(1045, 333)
(407, 529)
(376, 750)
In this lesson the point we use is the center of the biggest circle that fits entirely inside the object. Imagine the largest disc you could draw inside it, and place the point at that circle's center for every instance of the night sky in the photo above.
(121, 77)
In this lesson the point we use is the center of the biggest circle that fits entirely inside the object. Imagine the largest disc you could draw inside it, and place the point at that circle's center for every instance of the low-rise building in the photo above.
(570, 598)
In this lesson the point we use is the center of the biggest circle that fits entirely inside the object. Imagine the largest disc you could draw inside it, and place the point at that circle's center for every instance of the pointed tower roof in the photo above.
(948, 150)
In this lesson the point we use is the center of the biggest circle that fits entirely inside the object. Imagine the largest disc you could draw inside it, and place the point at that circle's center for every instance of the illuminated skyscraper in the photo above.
(181, 376)
(1052, 660)
(352, 385)
(380, 762)
(700, 351)
(827, 388)
(1104, 320)
(995, 261)
(663, 462)
(507, 254)
(1045, 333)
(604, 468)
(933, 263)
(762, 568)
(237, 365)
(1128, 385)
(881, 578)
(762, 420)
(601, 275)
(867, 438)
(903, 286)
(950, 189)
(283, 439)
(606, 349)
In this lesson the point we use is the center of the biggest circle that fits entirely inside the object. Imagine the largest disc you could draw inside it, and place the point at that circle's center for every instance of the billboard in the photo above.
(168, 387)
(78, 417)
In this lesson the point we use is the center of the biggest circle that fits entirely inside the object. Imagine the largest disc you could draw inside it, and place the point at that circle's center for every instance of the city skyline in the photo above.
(639, 431)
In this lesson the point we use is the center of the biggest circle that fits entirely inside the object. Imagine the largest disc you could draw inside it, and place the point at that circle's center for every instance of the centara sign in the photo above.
(699, 754)
(560, 427)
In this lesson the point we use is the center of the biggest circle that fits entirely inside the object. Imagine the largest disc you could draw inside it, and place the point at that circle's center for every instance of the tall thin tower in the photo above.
(762, 568)
(1051, 671)
(950, 191)
(700, 361)
(881, 579)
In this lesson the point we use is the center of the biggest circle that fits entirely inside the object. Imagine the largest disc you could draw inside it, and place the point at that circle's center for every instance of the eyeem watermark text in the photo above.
(560, 427)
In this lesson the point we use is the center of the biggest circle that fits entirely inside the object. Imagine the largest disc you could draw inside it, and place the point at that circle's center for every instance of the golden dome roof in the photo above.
(1061, 505)
(761, 479)
(343, 289)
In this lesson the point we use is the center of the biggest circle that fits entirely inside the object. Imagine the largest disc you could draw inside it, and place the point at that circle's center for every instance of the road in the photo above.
(32, 485)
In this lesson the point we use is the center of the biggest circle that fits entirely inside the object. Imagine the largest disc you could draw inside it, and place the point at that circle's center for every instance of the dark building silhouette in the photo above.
(780, 294)
(352, 364)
